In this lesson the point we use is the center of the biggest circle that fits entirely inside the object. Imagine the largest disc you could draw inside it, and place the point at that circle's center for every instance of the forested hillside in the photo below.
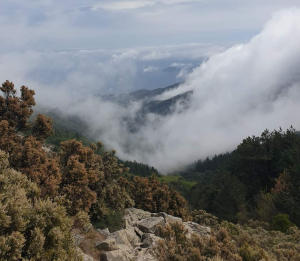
(259, 180)
(46, 195)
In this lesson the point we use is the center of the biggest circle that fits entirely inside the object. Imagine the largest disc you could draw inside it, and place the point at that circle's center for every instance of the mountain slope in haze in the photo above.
(138, 95)
(149, 103)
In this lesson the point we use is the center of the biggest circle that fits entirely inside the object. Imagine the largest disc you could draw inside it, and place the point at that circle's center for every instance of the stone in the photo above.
(138, 232)
(104, 232)
(108, 244)
(117, 255)
(167, 218)
(150, 224)
(132, 236)
(120, 237)
(133, 215)
(193, 227)
(78, 239)
(150, 240)
(86, 257)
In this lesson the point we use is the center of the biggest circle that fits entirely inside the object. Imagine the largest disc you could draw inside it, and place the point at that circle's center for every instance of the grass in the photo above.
(177, 178)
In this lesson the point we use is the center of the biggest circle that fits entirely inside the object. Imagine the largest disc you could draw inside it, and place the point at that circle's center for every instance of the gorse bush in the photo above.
(31, 228)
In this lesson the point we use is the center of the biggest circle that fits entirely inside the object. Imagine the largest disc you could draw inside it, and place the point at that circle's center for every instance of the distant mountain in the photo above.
(139, 95)
(175, 69)
(69, 125)
(150, 104)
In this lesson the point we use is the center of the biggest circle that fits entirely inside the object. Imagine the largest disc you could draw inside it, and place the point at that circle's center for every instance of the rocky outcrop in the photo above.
(136, 241)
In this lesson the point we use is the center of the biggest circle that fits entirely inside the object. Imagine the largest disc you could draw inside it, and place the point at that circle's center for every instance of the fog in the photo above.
(236, 93)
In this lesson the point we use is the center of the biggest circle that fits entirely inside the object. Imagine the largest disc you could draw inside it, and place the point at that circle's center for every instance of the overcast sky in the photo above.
(118, 46)
(55, 25)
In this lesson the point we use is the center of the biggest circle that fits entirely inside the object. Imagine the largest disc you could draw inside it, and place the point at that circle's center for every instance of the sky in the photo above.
(83, 47)
(244, 55)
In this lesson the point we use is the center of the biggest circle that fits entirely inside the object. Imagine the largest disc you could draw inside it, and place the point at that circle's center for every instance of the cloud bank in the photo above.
(236, 93)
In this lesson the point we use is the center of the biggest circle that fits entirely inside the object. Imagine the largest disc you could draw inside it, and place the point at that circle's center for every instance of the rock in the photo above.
(78, 239)
(86, 257)
(150, 224)
(117, 255)
(138, 232)
(104, 232)
(133, 215)
(132, 236)
(150, 240)
(123, 247)
(108, 244)
(120, 237)
(197, 229)
(167, 218)
(144, 255)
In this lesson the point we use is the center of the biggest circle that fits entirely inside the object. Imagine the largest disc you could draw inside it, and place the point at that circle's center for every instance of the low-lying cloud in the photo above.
(236, 93)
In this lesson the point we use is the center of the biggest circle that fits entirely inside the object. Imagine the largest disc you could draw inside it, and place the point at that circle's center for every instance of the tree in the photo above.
(16, 110)
(42, 128)
(30, 158)
(75, 184)
(152, 195)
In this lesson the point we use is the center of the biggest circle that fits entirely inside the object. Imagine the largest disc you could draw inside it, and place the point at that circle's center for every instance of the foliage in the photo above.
(42, 127)
(254, 242)
(258, 180)
(281, 222)
(152, 195)
(140, 169)
(113, 220)
(16, 110)
(31, 228)
(177, 245)
(205, 219)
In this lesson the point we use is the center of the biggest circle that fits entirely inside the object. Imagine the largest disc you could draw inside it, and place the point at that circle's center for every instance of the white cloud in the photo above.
(122, 5)
(237, 93)
(150, 69)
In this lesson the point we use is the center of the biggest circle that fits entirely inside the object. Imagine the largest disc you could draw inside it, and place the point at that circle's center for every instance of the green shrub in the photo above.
(281, 223)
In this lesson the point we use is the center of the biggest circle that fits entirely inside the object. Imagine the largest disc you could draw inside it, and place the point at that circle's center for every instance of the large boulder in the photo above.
(108, 244)
(150, 240)
(167, 218)
(132, 236)
(134, 215)
(150, 224)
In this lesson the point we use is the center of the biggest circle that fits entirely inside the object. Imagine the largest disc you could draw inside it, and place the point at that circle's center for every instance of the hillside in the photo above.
(241, 206)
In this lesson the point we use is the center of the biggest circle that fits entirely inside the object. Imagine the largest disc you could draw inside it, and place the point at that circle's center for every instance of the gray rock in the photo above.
(86, 257)
(167, 218)
(117, 255)
(132, 236)
(104, 232)
(150, 224)
(120, 237)
(138, 232)
(133, 215)
(78, 239)
(108, 244)
(150, 240)
(197, 229)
